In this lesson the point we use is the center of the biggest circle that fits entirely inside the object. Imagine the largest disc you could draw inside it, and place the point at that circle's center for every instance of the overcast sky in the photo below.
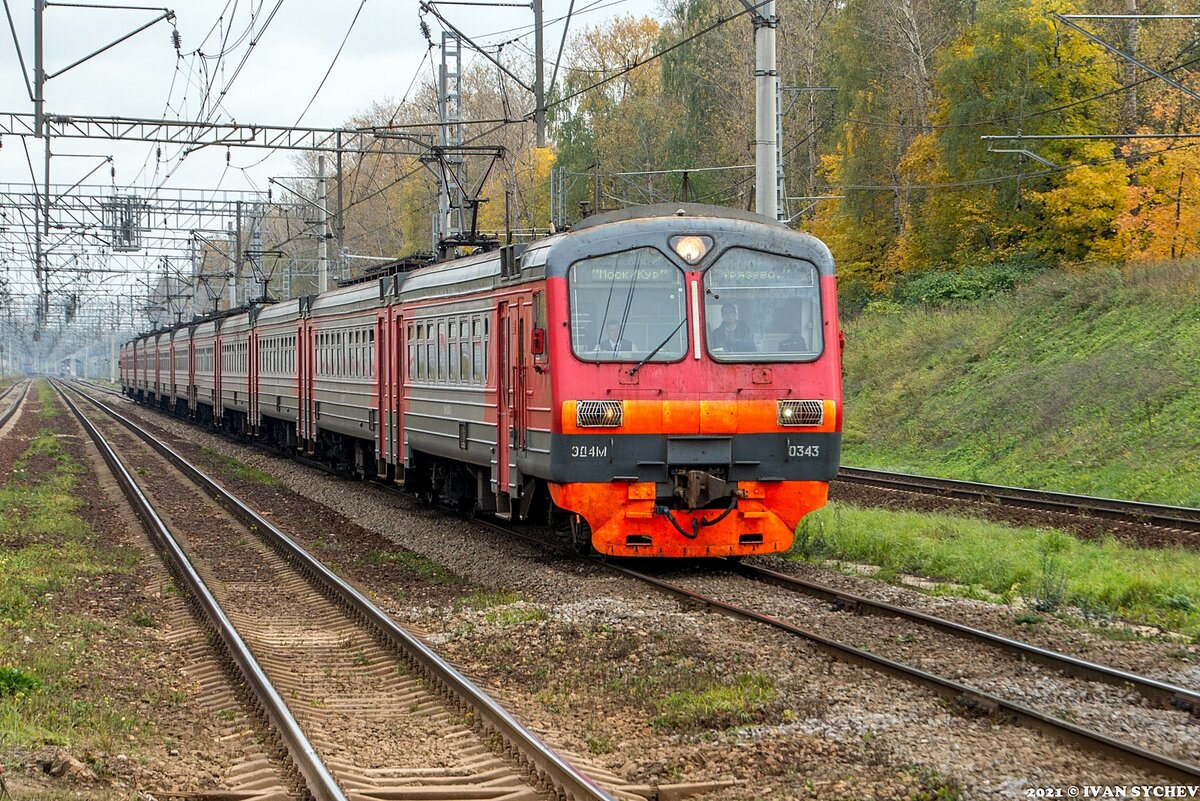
(143, 77)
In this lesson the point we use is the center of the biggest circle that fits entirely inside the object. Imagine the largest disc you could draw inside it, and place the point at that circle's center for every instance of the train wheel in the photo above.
(571, 531)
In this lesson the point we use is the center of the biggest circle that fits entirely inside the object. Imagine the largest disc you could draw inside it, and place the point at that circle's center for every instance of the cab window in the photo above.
(626, 306)
(762, 307)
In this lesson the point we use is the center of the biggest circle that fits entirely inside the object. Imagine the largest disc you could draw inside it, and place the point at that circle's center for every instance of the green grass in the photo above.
(485, 599)
(49, 693)
(716, 706)
(1085, 383)
(414, 563)
(602, 743)
(514, 615)
(242, 471)
(1049, 569)
(14, 681)
(47, 399)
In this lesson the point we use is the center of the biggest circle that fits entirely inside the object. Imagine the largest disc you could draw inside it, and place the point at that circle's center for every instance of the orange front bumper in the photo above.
(624, 523)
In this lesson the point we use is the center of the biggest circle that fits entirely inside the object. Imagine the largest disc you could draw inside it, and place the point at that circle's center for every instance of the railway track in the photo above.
(1176, 701)
(1180, 703)
(11, 410)
(1157, 692)
(1116, 685)
(1181, 518)
(363, 692)
(873, 640)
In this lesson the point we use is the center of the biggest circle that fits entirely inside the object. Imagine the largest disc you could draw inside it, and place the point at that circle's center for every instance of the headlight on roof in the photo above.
(600, 414)
(800, 413)
(691, 248)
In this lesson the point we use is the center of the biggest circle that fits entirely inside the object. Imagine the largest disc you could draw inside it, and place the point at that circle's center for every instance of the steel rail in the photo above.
(1162, 515)
(319, 780)
(1168, 695)
(7, 414)
(972, 699)
(969, 697)
(544, 763)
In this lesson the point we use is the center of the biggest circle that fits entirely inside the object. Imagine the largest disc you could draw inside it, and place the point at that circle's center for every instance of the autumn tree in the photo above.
(613, 115)
(1014, 72)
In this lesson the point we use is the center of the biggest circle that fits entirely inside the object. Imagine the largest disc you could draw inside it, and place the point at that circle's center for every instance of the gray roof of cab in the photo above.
(673, 210)
(652, 226)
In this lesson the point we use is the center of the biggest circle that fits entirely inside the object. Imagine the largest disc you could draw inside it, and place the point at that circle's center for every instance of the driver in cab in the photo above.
(612, 341)
(732, 335)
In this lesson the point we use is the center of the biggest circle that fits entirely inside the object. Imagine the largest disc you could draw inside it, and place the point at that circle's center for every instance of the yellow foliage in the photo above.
(1079, 213)
(1162, 214)
(527, 176)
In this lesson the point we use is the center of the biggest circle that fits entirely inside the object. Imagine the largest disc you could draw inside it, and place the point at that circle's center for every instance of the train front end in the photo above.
(698, 400)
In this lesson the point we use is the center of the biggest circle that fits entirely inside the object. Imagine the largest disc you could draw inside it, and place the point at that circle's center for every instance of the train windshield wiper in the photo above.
(633, 370)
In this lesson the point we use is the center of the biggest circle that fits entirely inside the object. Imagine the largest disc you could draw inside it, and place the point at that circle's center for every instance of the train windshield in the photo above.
(762, 307)
(624, 306)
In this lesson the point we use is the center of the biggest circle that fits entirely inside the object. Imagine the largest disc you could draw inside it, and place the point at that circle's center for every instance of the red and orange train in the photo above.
(660, 381)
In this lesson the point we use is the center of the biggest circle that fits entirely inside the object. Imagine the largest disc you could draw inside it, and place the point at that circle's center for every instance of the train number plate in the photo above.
(804, 451)
(589, 451)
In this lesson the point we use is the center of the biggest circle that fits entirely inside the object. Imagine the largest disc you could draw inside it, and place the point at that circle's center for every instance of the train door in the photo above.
(401, 367)
(303, 371)
(191, 378)
(383, 389)
(307, 387)
(520, 353)
(512, 404)
(218, 365)
(505, 403)
(252, 381)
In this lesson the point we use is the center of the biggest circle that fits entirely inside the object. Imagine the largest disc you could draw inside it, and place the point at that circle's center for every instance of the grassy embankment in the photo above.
(53, 690)
(1078, 383)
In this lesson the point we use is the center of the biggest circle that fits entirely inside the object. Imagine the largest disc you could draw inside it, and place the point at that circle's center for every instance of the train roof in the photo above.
(285, 308)
(469, 273)
(674, 210)
(654, 226)
(625, 229)
(349, 298)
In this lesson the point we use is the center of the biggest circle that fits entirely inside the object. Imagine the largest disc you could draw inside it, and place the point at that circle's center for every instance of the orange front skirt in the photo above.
(624, 522)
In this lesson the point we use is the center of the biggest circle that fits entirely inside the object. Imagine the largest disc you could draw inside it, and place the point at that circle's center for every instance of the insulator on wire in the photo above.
(176, 39)
(425, 31)
(158, 153)
(226, 155)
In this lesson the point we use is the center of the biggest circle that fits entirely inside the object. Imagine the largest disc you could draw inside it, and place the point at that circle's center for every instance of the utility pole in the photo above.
(40, 129)
(234, 244)
(539, 81)
(766, 81)
(1129, 123)
(780, 195)
(450, 176)
(323, 230)
(256, 252)
(39, 72)
(341, 208)
(44, 258)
